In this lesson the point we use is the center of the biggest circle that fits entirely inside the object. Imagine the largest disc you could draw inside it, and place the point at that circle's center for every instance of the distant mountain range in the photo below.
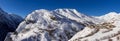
(8, 23)
(63, 25)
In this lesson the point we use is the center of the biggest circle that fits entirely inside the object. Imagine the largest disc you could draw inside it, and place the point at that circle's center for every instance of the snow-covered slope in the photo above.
(56, 25)
(107, 31)
(110, 17)
(8, 23)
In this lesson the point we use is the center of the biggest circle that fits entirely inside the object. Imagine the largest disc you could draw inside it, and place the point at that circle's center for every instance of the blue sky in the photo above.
(89, 7)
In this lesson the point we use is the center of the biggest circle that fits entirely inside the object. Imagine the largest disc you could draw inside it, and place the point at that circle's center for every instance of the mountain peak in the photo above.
(112, 14)
(41, 10)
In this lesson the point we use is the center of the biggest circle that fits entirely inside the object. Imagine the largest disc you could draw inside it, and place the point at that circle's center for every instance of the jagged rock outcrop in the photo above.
(56, 25)
(8, 23)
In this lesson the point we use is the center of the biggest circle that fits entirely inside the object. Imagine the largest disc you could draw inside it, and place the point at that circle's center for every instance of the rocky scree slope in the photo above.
(8, 23)
(56, 25)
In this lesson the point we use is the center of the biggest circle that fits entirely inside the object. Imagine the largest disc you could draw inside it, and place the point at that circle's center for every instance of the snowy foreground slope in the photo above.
(56, 25)
(8, 23)
(66, 25)
(107, 31)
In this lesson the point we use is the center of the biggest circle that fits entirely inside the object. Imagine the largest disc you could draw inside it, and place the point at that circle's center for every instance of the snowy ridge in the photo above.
(75, 15)
(112, 16)
(56, 25)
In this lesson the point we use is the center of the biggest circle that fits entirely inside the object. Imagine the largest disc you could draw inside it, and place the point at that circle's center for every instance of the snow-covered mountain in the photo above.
(56, 25)
(8, 23)
(66, 25)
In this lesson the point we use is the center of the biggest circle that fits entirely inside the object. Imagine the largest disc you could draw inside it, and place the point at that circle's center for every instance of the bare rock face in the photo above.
(8, 23)
(56, 25)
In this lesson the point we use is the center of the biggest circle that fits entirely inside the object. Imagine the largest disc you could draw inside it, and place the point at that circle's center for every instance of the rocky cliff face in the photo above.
(8, 23)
